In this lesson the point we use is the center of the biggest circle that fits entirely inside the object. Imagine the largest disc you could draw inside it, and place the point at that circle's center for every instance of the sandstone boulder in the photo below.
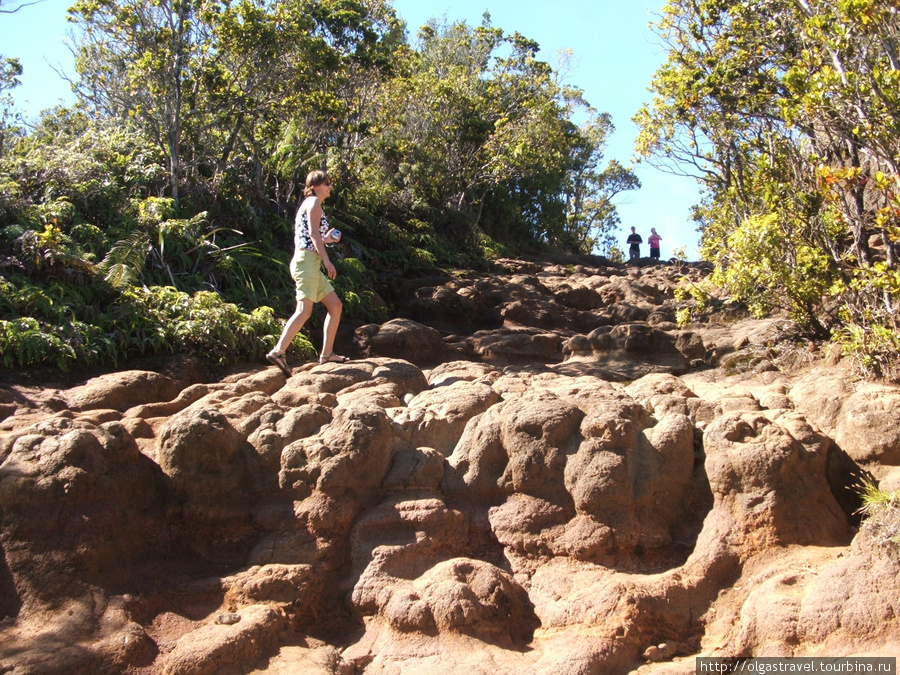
(516, 446)
(630, 350)
(515, 345)
(402, 339)
(214, 646)
(351, 456)
(128, 388)
(285, 584)
(399, 540)
(867, 428)
(205, 457)
(437, 416)
(819, 395)
(76, 507)
(768, 474)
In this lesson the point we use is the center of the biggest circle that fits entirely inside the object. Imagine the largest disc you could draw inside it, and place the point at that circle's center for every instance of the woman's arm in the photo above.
(315, 220)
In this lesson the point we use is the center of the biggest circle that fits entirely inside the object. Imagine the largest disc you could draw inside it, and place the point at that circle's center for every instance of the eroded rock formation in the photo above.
(563, 483)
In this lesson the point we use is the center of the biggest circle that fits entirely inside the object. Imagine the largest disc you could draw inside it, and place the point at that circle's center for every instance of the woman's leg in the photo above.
(334, 306)
(294, 324)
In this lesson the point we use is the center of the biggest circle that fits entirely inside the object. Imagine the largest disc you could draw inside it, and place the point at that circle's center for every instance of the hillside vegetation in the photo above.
(788, 112)
(155, 215)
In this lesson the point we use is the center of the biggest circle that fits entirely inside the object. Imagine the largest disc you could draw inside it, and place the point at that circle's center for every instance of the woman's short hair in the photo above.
(313, 180)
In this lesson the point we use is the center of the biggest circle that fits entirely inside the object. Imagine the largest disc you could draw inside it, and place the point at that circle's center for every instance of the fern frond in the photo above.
(125, 261)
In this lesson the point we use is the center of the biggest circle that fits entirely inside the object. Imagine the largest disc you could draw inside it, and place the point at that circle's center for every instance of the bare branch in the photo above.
(18, 7)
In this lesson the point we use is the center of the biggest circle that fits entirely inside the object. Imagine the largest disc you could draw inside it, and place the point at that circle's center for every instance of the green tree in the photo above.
(474, 124)
(591, 215)
(225, 86)
(140, 59)
(10, 70)
(787, 113)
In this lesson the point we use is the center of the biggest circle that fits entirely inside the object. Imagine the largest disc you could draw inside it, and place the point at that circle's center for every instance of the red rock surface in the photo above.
(532, 471)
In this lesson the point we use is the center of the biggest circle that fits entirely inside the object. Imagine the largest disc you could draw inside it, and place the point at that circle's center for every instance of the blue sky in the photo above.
(614, 56)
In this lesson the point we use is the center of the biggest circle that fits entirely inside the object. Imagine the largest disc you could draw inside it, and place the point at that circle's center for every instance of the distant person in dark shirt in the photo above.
(635, 241)
(654, 240)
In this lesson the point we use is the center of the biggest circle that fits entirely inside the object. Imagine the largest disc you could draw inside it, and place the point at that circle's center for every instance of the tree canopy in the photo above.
(787, 112)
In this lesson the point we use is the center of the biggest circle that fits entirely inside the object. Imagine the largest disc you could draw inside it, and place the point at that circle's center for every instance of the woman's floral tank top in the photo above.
(302, 240)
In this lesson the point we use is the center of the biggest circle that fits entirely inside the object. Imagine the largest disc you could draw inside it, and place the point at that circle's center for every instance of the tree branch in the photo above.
(17, 8)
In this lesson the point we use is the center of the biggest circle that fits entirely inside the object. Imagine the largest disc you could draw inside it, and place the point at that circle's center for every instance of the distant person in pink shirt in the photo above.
(654, 240)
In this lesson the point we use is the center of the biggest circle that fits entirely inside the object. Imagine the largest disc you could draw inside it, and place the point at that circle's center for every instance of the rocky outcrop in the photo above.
(489, 511)
(619, 320)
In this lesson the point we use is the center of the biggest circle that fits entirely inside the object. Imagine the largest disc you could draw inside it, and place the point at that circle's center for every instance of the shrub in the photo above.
(69, 327)
(97, 167)
(881, 513)
(870, 333)
(765, 268)
(696, 298)
(163, 319)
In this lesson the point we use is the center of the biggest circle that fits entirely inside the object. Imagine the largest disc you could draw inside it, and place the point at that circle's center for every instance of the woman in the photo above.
(311, 233)
(654, 240)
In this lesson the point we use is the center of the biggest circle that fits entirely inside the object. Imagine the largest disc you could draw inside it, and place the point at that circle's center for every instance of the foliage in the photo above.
(764, 267)
(224, 87)
(97, 167)
(787, 113)
(881, 511)
(354, 285)
(124, 263)
(873, 348)
(166, 195)
(164, 318)
(694, 296)
(874, 499)
(65, 328)
(51, 255)
(461, 129)
(10, 70)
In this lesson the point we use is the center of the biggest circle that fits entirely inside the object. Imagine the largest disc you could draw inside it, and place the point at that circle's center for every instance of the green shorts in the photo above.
(306, 270)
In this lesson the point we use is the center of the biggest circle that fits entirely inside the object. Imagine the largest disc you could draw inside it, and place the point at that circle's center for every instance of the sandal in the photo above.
(277, 358)
(333, 358)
